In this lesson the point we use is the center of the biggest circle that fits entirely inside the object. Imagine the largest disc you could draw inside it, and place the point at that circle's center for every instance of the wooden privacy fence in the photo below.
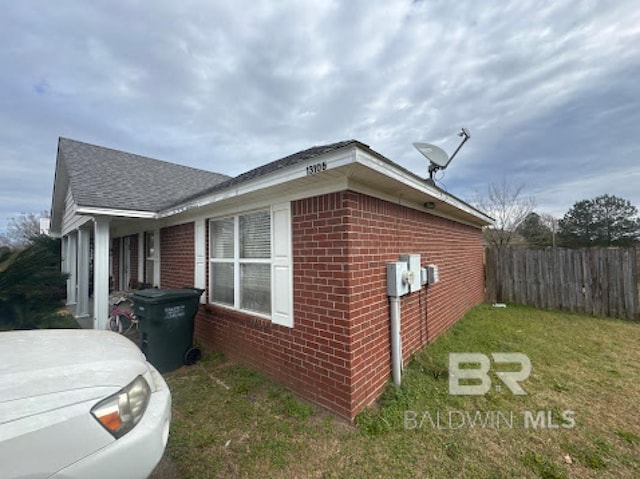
(598, 281)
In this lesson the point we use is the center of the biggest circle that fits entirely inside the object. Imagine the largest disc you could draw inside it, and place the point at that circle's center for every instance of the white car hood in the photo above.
(42, 362)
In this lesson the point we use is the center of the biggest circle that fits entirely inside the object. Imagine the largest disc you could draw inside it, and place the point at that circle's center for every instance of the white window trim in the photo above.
(283, 261)
(200, 280)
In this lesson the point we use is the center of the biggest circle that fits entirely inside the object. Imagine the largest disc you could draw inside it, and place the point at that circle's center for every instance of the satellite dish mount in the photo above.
(437, 157)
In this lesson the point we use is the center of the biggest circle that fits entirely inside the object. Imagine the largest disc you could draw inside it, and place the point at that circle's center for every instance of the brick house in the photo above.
(292, 256)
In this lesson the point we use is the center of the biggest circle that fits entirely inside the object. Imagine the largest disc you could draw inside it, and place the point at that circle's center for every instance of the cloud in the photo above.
(548, 90)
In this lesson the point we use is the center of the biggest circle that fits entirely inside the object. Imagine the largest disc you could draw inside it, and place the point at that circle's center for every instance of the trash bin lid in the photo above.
(156, 295)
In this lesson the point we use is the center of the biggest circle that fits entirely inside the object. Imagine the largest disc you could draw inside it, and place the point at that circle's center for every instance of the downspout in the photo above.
(396, 340)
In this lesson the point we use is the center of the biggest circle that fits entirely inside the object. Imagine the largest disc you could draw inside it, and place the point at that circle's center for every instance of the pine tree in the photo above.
(603, 221)
(31, 284)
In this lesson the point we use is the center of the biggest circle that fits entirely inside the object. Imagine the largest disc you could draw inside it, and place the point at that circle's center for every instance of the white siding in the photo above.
(70, 220)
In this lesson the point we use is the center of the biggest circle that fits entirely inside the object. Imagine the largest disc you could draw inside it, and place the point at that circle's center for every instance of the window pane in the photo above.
(149, 244)
(222, 283)
(221, 234)
(255, 235)
(255, 287)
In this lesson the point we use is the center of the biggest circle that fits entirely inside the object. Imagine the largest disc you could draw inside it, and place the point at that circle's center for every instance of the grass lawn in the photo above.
(232, 422)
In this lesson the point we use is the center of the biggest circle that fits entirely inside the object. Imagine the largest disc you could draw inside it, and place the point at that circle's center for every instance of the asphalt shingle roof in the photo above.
(107, 178)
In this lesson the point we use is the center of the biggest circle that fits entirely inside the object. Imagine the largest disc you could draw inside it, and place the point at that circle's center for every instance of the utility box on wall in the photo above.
(398, 277)
(413, 262)
(433, 275)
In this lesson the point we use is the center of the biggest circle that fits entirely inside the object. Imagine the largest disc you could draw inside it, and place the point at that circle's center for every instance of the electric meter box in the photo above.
(397, 276)
(413, 262)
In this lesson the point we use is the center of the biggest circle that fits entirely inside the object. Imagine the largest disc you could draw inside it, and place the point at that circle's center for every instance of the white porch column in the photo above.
(63, 254)
(82, 310)
(71, 267)
(101, 273)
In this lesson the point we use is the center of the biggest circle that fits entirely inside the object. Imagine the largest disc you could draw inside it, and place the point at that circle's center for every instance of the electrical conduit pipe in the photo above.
(396, 340)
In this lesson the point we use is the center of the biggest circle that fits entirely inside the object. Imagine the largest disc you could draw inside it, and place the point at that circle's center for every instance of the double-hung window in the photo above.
(250, 263)
(241, 261)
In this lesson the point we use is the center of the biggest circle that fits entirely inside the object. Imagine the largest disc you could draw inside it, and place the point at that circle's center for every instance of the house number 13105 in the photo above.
(316, 168)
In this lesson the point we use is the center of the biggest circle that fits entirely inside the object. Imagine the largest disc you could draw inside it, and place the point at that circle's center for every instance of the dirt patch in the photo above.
(165, 469)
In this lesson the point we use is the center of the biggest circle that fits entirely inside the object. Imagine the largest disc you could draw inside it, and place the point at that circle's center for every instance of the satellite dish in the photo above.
(437, 156)
(433, 153)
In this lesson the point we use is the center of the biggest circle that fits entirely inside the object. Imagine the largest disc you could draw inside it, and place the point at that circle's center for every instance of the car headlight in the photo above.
(120, 412)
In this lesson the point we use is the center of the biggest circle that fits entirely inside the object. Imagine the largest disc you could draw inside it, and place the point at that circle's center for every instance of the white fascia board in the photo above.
(417, 184)
(230, 208)
(91, 210)
(294, 172)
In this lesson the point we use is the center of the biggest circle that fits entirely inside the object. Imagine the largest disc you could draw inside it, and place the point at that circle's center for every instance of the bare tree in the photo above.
(20, 229)
(508, 206)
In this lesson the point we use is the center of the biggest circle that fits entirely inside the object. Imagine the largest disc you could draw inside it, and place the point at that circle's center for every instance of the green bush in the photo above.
(31, 284)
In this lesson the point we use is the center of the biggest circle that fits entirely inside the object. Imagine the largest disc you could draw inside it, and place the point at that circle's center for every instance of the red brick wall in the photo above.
(379, 231)
(338, 353)
(177, 256)
(311, 358)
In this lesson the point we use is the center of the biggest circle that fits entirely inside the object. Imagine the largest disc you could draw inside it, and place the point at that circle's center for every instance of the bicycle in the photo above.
(121, 320)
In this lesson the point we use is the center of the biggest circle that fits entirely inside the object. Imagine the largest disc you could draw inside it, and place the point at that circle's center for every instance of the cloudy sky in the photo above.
(549, 90)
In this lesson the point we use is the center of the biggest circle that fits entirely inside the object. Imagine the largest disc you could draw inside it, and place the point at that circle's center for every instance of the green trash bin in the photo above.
(166, 326)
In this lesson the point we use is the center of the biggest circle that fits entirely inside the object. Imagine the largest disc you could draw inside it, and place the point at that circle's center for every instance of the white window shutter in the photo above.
(199, 281)
(282, 266)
